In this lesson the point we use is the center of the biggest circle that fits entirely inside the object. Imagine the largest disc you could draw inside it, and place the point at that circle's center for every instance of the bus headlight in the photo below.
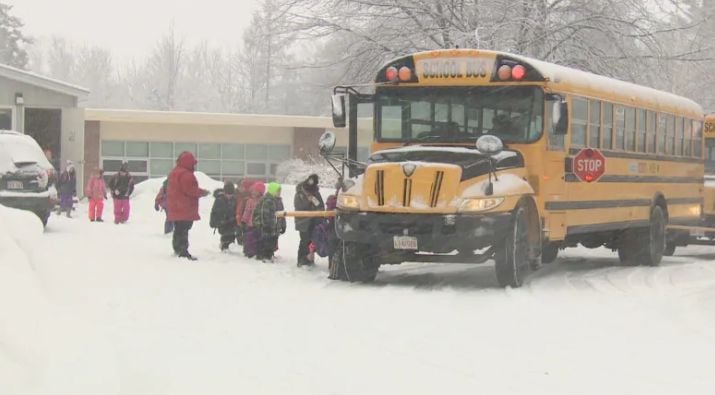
(480, 204)
(348, 202)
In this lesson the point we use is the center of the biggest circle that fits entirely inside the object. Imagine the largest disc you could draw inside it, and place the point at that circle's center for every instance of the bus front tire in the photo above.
(511, 258)
(353, 264)
(669, 249)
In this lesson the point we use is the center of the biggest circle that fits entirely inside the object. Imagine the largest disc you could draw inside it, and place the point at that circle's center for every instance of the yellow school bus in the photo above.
(482, 155)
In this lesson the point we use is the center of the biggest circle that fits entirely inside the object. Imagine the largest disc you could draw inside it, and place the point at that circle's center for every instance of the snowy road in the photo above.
(147, 323)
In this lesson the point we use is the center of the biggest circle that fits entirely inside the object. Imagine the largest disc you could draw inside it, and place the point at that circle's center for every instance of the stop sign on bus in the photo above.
(589, 165)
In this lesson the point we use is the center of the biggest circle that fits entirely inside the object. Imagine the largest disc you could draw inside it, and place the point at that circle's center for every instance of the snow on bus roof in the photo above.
(558, 74)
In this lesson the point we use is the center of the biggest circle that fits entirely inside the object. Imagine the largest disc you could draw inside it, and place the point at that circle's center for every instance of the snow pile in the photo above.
(294, 171)
(42, 351)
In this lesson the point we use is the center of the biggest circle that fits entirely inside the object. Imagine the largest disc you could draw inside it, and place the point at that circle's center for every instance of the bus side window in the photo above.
(662, 121)
(620, 116)
(630, 129)
(555, 142)
(697, 139)
(594, 124)
(641, 130)
(669, 134)
(650, 131)
(678, 143)
(607, 125)
(579, 120)
(687, 137)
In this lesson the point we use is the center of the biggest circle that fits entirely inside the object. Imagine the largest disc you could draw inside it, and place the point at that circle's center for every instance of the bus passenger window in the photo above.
(594, 124)
(630, 129)
(579, 120)
(687, 137)
(641, 130)
(607, 125)
(662, 122)
(620, 116)
(697, 139)
(678, 143)
(669, 134)
(555, 142)
(650, 131)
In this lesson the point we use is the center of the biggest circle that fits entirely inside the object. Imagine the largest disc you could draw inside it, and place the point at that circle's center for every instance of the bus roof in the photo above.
(563, 78)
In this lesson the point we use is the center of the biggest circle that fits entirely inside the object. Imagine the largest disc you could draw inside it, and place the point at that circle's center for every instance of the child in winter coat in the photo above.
(266, 223)
(242, 195)
(161, 203)
(96, 192)
(67, 189)
(223, 215)
(250, 238)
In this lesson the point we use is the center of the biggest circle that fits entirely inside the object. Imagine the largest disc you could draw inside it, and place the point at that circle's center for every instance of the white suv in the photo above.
(26, 176)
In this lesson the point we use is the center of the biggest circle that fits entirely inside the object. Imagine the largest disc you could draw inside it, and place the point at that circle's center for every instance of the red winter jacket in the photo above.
(183, 190)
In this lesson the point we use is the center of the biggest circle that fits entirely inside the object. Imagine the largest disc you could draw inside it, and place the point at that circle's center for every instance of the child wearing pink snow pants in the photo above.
(121, 210)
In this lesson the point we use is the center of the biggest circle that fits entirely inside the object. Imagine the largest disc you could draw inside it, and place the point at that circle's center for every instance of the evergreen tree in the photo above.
(12, 40)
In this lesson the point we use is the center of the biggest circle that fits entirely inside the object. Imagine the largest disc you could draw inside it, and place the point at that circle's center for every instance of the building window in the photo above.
(256, 152)
(112, 148)
(162, 150)
(209, 151)
(181, 147)
(160, 167)
(5, 118)
(256, 169)
(211, 167)
(137, 149)
(232, 167)
(278, 153)
(232, 151)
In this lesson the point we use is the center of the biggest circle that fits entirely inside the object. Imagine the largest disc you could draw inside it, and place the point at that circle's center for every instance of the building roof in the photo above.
(42, 82)
(204, 118)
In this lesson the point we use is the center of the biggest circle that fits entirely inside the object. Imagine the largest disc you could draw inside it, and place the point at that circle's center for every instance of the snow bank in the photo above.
(294, 171)
(42, 351)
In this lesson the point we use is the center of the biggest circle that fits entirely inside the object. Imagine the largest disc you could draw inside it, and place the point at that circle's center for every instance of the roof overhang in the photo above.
(40, 81)
(203, 118)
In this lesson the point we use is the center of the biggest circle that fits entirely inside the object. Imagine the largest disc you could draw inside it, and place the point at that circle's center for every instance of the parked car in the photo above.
(26, 176)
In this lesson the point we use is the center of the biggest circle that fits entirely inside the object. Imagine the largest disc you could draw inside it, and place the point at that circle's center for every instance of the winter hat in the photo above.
(124, 167)
(274, 189)
(311, 183)
(246, 184)
(229, 188)
(69, 165)
(259, 187)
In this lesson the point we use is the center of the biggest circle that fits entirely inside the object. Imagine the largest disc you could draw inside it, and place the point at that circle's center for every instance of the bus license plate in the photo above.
(405, 242)
(14, 185)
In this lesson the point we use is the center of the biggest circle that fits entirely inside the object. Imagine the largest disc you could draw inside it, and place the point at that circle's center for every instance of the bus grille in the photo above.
(407, 192)
(436, 187)
(380, 187)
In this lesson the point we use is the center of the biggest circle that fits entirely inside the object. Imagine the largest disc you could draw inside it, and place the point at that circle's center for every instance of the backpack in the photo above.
(321, 238)
(217, 212)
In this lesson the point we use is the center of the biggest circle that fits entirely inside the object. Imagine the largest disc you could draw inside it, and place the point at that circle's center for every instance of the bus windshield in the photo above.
(459, 114)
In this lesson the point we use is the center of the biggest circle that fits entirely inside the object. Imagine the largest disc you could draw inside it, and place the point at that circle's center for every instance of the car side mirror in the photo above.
(338, 101)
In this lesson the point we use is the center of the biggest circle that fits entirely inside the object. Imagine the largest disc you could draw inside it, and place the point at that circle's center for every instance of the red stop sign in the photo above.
(589, 165)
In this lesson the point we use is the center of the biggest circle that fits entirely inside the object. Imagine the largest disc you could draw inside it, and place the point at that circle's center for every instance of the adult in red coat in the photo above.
(183, 195)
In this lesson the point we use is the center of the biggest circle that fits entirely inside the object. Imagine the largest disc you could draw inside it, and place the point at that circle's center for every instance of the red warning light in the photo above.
(518, 72)
(391, 73)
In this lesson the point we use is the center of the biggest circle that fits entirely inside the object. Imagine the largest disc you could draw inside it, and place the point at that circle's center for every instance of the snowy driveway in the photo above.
(229, 325)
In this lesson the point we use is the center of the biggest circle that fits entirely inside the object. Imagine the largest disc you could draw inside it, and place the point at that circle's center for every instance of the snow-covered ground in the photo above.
(98, 308)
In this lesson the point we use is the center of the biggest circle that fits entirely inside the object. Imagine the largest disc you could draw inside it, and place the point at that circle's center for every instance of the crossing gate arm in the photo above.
(306, 214)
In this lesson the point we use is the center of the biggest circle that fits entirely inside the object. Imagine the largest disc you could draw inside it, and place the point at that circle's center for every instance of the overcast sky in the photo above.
(130, 28)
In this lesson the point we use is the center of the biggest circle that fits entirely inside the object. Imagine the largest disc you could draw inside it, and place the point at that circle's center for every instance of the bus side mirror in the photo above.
(560, 117)
(326, 143)
(338, 110)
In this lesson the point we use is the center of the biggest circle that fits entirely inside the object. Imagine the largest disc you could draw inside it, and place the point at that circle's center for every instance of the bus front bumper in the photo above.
(440, 233)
